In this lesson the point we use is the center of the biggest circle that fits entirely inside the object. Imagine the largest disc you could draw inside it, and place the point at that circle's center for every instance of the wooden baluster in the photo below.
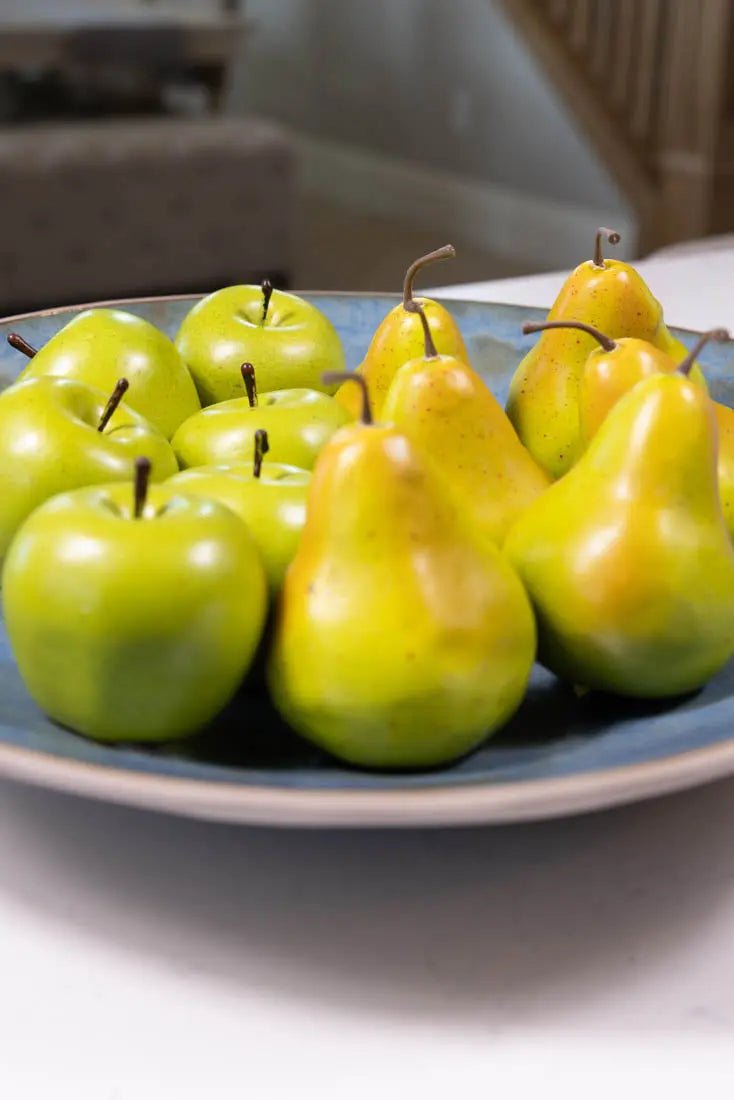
(559, 10)
(601, 57)
(692, 104)
(580, 25)
(624, 48)
(647, 69)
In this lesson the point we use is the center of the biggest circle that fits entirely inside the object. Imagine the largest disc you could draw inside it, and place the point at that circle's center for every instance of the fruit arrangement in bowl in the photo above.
(384, 552)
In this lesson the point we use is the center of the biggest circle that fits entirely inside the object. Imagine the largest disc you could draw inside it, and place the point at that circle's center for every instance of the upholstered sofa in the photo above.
(93, 210)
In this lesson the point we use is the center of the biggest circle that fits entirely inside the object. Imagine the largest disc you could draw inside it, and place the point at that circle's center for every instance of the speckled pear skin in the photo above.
(627, 559)
(608, 375)
(453, 417)
(544, 392)
(402, 640)
(397, 340)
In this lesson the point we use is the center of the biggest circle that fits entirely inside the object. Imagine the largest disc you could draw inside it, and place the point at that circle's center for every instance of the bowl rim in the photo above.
(458, 804)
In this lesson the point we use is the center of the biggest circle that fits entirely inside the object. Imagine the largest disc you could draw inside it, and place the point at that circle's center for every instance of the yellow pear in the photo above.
(543, 402)
(399, 337)
(402, 639)
(450, 414)
(613, 370)
(627, 559)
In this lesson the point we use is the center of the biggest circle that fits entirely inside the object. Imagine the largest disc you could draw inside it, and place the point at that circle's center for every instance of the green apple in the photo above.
(268, 496)
(57, 434)
(99, 346)
(298, 423)
(289, 339)
(133, 619)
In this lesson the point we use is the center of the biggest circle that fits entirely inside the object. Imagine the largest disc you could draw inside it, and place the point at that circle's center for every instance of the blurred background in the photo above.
(153, 146)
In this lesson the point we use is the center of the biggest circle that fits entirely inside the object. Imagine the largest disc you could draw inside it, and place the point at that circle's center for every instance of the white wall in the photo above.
(445, 83)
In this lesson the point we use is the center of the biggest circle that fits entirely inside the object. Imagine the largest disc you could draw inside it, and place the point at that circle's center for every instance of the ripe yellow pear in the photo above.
(613, 370)
(450, 414)
(399, 338)
(402, 639)
(627, 559)
(543, 402)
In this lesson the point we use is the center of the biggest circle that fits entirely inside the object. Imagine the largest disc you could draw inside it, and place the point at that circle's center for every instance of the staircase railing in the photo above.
(648, 81)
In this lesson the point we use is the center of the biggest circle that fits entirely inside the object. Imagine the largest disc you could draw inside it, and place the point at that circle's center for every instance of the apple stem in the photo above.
(720, 335)
(447, 252)
(267, 289)
(116, 397)
(19, 343)
(333, 377)
(142, 477)
(262, 447)
(606, 342)
(610, 235)
(248, 377)
(430, 348)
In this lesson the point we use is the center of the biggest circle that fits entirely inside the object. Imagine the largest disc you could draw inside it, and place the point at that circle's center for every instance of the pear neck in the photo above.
(657, 448)
(374, 482)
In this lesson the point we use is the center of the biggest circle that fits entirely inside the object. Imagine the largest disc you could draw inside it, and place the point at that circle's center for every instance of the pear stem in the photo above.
(447, 252)
(333, 377)
(429, 346)
(267, 289)
(248, 377)
(262, 446)
(19, 343)
(541, 326)
(611, 235)
(116, 397)
(142, 478)
(720, 335)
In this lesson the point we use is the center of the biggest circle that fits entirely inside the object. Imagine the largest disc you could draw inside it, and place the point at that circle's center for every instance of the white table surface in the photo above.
(145, 957)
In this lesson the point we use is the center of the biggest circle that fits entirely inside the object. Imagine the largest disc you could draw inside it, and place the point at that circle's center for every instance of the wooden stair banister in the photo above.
(647, 82)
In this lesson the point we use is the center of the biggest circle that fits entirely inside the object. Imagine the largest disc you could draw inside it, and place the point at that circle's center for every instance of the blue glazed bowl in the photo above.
(559, 754)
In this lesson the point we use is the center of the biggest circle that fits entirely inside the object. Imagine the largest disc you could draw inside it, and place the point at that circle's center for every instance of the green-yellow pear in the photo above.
(399, 338)
(402, 638)
(543, 400)
(612, 370)
(627, 559)
(451, 415)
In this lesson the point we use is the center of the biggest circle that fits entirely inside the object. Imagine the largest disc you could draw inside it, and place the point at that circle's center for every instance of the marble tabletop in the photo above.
(144, 956)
